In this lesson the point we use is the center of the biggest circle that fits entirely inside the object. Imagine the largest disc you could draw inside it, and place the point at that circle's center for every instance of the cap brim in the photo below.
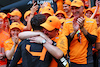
(47, 26)
(76, 5)
(47, 13)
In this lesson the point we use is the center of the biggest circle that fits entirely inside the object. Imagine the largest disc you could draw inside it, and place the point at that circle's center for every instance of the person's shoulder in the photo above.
(8, 41)
(23, 42)
(90, 20)
(5, 33)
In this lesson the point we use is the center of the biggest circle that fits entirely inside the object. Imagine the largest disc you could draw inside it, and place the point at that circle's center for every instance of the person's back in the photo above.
(32, 54)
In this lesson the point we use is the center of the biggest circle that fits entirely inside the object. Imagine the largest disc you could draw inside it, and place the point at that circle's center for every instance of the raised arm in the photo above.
(33, 10)
(95, 10)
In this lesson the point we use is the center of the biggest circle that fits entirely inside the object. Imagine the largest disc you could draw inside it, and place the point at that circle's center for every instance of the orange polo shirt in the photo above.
(8, 44)
(3, 36)
(62, 44)
(98, 35)
(78, 51)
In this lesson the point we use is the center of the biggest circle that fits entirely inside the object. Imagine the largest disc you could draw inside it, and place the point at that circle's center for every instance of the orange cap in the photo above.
(89, 9)
(51, 23)
(62, 20)
(48, 10)
(14, 13)
(27, 13)
(3, 15)
(67, 2)
(77, 3)
(15, 25)
(62, 12)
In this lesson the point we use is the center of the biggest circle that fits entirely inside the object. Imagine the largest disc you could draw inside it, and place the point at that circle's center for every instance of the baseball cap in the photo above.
(67, 2)
(51, 23)
(48, 10)
(15, 25)
(27, 13)
(89, 9)
(77, 3)
(2, 15)
(62, 12)
(15, 12)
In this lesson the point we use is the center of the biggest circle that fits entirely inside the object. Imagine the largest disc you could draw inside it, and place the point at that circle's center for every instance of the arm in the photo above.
(95, 10)
(53, 50)
(33, 10)
(16, 57)
(31, 35)
(10, 53)
(91, 38)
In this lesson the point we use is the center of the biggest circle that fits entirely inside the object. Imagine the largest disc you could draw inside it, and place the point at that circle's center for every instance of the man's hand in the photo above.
(34, 8)
(75, 24)
(80, 22)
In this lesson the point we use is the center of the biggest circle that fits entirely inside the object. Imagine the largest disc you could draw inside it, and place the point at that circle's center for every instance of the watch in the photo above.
(44, 41)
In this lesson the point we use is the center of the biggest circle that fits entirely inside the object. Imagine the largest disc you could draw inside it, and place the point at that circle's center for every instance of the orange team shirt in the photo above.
(60, 5)
(8, 44)
(78, 51)
(3, 36)
(98, 35)
(62, 44)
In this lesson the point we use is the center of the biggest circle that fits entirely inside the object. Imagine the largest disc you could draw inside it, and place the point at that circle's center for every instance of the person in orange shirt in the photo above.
(11, 44)
(67, 8)
(81, 33)
(62, 17)
(6, 22)
(15, 16)
(3, 36)
(51, 29)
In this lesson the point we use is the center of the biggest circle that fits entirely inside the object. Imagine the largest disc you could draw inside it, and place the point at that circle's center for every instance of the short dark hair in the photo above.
(37, 20)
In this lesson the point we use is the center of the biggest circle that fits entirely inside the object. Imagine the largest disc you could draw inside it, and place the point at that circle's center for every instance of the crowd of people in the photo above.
(67, 35)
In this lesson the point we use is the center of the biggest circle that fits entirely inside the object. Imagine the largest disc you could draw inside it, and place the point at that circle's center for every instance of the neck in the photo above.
(68, 13)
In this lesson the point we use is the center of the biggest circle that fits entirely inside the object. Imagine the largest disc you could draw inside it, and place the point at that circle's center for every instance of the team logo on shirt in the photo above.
(41, 54)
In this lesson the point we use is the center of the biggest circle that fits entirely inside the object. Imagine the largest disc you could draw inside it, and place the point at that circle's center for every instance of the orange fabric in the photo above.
(77, 3)
(3, 15)
(60, 5)
(51, 23)
(15, 13)
(98, 35)
(8, 44)
(53, 63)
(3, 36)
(67, 2)
(41, 54)
(78, 51)
(62, 12)
(62, 44)
(15, 25)
(48, 10)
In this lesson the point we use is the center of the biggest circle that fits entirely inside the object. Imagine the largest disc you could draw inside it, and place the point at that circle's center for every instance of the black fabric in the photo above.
(91, 38)
(28, 59)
